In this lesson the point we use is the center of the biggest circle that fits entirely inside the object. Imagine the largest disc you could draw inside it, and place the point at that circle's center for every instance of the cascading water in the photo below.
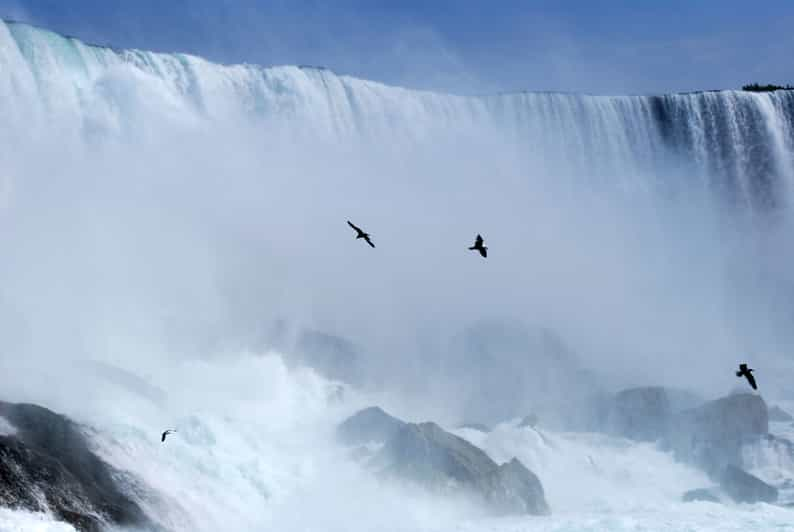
(160, 213)
(734, 143)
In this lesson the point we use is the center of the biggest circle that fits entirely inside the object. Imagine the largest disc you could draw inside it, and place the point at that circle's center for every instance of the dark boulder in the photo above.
(514, 489)
(702, 494)
(47, 465)
(430, 455)
(744, 487)
(712, 435)
(369, 425)
(427, 454)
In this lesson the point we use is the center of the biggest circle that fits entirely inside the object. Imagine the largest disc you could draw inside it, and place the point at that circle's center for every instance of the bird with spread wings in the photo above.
(360, 233)
(478, 246)
(746, 372)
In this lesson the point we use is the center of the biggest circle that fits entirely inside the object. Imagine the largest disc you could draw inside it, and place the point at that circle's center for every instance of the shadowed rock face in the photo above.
(514, 489)
(369, 425)
(744, 487)
(711, 436)
(428, 455)
(736, 484)
(48, 462)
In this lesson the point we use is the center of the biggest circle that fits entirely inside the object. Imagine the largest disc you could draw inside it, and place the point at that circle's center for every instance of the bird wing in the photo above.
(484, 252)
(751, 380)
(351, 224)
(478, 242)
(742, 367)
(164, 435)
(369, 241)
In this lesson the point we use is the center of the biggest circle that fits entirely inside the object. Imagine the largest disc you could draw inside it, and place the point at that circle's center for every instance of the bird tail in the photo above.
(738, 373)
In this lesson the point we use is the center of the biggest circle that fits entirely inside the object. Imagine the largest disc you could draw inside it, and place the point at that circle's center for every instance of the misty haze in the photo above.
(175, 255)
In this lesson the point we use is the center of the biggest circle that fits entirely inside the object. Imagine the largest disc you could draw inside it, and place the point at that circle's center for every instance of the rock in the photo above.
(640, 414)
(711, 436)
(778, 414)
(702, 494)
(430, 455)
(369, 425)
(47, 465)
(427, 454)
(744, 487)
(514, 489)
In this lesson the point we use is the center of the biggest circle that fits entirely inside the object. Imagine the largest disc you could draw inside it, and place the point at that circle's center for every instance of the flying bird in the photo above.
(166, 433)
(744, 371)
(479, 247)
(360, 233)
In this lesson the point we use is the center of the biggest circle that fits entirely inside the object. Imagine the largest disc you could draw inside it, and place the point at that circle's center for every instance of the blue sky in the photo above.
(610, 46)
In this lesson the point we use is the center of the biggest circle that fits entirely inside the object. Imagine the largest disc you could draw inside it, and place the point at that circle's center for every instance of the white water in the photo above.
(254, 451)
(158, 211)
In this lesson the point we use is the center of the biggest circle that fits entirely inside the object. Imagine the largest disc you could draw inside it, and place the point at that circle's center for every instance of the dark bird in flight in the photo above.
(166, 433)
(360, 233)
(479, 247)
(744, 371)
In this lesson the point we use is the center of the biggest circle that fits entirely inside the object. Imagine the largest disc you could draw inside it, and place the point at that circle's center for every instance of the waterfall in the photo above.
(736, 145)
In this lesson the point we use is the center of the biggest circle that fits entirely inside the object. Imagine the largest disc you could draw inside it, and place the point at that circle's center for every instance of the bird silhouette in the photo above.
(360, 233)
(479, 247)
(744, 371)
(166, 433)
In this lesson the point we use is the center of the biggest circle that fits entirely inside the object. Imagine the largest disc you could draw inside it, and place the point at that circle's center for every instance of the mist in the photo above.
(165, 225)
(138, 222)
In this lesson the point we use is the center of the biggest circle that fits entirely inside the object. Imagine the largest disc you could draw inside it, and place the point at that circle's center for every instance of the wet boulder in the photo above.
(741, 486)
(46, 465)
(712, 435)
(426, 454)
(371, 425)
(514, 489)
